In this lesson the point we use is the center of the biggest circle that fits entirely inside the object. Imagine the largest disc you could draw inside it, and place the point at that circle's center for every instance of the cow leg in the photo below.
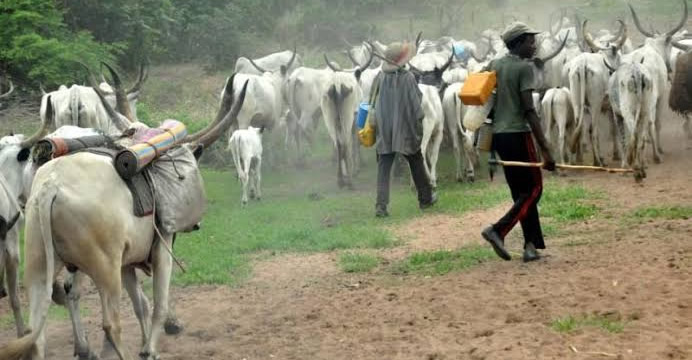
(3, 292)
(11, 269)
(244, 177)
(657, 127)
(457, 150)
(687, 126)
(614, 137)
(656, 146)
(595, 139)
(107, 278)
(434, 155)
(163, 265)
(427, 133)
(258, 178)
(73, 286)
(140, 303)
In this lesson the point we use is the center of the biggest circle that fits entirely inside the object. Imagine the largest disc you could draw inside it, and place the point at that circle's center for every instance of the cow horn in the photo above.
(121, 102)
(27, 143)
(347, 43)
(612, 69)
(329, 63)
(143, 75)
(682, 46)
(639, 24)
(228, 91)
(257, 66)
(589, 39)
(121, 122)
(418, 39)
(682, 22)
(43, 91)
(228, 118)
(622, 35)
(449, 62)
(9, 92)
(562, 46)
(293, 58)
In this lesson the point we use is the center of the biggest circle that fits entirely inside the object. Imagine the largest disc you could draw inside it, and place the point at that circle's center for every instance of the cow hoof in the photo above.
(657, 160)
(3, 292)
(59, 295)
(173, 327)
(147, 356)
(88, 356)
(471, 179)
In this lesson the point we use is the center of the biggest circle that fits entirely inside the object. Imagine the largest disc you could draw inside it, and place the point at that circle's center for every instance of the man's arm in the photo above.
(537, 129)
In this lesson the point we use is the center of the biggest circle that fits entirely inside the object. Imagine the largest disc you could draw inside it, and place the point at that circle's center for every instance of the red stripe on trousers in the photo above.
(536, 189)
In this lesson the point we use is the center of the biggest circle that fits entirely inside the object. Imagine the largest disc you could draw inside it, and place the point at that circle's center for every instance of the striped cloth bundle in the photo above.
(149, 144)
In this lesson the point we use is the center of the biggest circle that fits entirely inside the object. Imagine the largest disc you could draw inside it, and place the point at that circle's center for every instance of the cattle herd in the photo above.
(582, 81)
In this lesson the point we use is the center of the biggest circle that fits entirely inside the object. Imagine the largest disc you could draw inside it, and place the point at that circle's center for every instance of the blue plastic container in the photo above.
(363, 109)
(460, 52)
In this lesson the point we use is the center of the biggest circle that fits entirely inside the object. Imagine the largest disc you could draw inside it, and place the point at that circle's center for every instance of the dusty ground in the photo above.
(304, 307)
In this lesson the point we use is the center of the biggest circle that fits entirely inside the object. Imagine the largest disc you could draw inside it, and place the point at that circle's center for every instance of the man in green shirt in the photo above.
(514, 121)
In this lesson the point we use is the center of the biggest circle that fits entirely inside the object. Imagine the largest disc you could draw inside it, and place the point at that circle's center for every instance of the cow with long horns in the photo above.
(339, 101)
(69, 224)
(655, 55)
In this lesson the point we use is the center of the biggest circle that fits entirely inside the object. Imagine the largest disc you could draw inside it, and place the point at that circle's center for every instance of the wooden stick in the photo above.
(563, 166)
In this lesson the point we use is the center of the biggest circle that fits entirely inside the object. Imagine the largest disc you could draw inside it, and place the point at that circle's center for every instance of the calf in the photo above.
(246, 147)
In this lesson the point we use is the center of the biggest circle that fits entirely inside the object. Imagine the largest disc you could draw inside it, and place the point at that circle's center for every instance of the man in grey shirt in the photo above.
(399, 116)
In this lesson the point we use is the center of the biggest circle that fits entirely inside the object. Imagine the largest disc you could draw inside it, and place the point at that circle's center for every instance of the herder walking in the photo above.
(514, 121)
(399, 116)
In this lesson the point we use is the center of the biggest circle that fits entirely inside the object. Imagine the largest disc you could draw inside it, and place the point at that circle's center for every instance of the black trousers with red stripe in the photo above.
(525, 183)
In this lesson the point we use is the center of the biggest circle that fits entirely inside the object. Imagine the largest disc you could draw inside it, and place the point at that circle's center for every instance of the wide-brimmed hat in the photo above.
(397, 54)
(516, 29)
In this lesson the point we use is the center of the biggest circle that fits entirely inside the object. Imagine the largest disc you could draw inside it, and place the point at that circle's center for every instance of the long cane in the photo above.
(561, 166)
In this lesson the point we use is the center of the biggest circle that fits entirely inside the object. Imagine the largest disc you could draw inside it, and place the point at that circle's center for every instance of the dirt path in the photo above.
(303, 307)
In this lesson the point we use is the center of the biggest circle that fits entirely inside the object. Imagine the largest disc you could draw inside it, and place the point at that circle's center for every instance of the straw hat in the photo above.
(397, 55)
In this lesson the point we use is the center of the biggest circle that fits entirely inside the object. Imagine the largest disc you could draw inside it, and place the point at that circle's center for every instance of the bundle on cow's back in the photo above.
(149, 144)
(680, 95)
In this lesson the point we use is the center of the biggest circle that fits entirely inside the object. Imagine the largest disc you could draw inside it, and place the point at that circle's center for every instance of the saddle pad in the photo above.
(140, 185)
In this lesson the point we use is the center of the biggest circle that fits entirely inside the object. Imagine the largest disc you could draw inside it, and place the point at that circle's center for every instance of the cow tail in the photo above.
(581, 104)
(14, 350)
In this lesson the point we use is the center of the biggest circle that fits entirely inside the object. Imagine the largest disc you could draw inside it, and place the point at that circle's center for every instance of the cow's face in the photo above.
(14, 162)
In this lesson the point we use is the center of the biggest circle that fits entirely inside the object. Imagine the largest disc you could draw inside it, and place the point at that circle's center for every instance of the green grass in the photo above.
(351, 262)
(441, 262)
(571, 323)
(664, 212)
(565, 204)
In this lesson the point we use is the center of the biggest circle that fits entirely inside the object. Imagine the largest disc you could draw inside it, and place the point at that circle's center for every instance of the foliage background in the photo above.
(42, 40)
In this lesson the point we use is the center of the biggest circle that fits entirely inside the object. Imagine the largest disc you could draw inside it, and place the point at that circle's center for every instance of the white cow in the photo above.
(557, 111)
(658, 47)
(68, 224)
(246, 148)
(633, 98)
(303, 90)
(588, 83)
(80, 105)
(433, 127)
(271, 63)
(462, 138)
(10, 212)
(339, 104)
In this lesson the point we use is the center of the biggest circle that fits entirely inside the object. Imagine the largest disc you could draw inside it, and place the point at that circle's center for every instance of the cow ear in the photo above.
(23, 154)
(358, 73)
(261, 129)
(614, 50)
